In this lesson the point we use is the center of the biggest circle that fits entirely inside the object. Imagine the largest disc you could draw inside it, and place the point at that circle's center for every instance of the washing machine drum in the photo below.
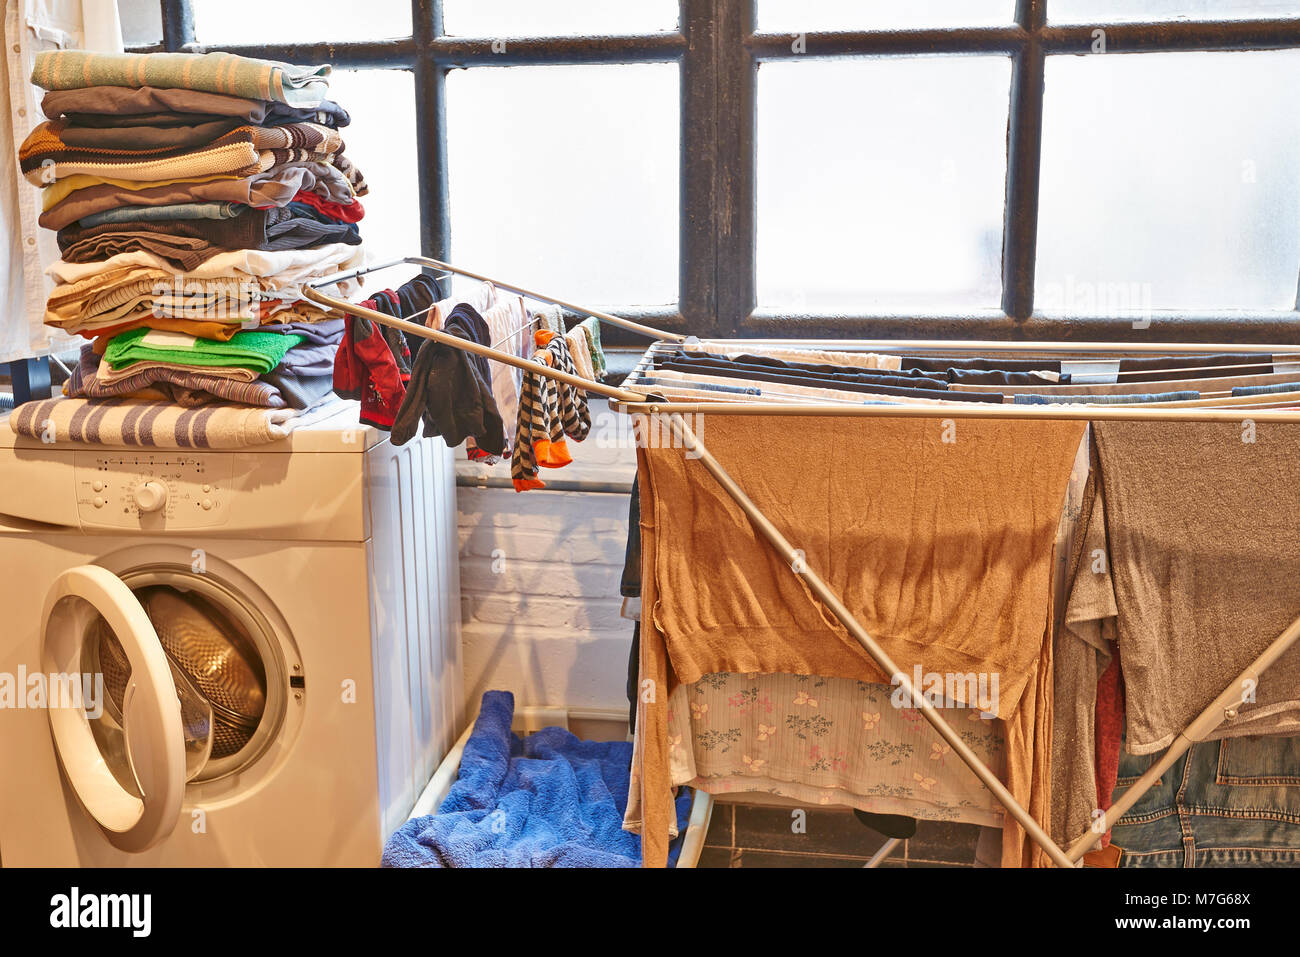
(216, 659)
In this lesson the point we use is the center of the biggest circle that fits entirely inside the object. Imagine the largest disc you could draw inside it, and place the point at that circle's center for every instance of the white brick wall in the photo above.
(539, 577)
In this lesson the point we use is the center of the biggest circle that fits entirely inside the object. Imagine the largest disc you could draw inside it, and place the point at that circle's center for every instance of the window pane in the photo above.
(1121, 11)
(141, 22)
(557, 18)
(1169, 181)
(299, 21)
(804, 16)
(564, 179)
(381, 141)
(894, 204)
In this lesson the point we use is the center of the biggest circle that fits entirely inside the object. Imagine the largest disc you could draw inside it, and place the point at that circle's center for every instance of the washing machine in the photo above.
(237, 657)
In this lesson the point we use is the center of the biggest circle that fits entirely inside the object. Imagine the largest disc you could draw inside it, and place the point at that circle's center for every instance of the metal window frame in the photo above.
(719, 50)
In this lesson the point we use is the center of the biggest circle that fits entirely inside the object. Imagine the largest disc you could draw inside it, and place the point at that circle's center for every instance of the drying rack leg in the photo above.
(691, 443)
(885, 850)
(1223, 708)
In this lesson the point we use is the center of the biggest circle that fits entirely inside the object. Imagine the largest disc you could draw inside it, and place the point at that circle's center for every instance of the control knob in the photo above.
(150, 496)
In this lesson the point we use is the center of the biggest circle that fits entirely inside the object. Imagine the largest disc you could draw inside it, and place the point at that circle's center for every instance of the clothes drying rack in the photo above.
(635, 403)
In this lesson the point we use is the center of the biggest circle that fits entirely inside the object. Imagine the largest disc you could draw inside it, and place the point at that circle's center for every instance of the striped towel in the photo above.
(45, 158)
(226, 73)
(149, 424)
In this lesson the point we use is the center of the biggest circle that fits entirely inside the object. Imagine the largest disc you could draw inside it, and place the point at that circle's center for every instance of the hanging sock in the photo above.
(549, 410)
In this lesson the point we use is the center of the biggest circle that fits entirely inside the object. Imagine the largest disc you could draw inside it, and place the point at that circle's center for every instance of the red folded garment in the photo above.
(350, 213)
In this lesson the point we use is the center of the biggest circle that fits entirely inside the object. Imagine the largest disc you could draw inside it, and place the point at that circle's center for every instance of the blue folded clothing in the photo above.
(1266, 389)
(548, 800)
(1117, 398)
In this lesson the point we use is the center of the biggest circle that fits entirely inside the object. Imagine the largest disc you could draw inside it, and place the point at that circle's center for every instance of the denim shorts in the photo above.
(1230, 803)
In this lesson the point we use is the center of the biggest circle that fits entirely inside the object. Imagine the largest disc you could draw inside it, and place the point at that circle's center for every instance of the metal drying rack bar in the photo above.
(640, 403)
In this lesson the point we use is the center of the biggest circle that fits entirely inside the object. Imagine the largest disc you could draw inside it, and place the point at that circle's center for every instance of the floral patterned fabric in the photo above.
(818, 740)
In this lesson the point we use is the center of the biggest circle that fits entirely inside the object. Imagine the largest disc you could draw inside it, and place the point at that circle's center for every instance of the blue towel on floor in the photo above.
(548, 800)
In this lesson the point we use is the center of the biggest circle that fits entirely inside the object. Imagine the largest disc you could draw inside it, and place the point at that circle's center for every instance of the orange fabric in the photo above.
(203, 328)
(937, 535)
(650, 804)
(556, 456)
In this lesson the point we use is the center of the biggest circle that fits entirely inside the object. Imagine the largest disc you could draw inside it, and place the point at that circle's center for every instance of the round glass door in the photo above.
(131, 781)
(169, 653)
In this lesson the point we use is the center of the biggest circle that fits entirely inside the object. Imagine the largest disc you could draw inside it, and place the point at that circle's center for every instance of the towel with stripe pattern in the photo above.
(149, 424)
(226, 73)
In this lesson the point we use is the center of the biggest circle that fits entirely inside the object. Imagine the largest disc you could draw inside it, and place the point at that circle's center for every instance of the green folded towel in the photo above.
(225, 73)
(259, 351)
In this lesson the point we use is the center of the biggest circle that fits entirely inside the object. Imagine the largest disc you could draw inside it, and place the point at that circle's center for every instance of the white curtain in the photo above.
(31, 26)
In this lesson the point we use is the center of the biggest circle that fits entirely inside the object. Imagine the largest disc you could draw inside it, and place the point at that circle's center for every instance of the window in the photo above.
(812, 168)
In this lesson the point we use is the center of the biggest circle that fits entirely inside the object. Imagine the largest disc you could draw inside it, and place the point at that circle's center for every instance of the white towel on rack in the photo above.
(508, 327)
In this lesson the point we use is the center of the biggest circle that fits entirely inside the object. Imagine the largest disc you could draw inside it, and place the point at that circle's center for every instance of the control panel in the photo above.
(174, 490)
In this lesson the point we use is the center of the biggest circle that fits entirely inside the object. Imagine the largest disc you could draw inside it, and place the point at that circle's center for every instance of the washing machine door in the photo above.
(130, 782)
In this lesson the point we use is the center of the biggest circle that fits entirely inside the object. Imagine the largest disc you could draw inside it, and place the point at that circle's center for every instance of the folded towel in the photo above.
(120, 106)
(323, 331)
(76, 197)
(260, 351)
(280, 269)
(208, 72)
(1275, 389)
(89, 381)
(1130, 398)
(169, 136)
(300, 390)
(188, 243)
(548, 800)
(154, 424)
(591, 329)
(46, 157)
(163, 214)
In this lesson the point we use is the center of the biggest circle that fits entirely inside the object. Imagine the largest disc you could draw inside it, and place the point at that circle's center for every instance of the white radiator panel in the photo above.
(415, 617)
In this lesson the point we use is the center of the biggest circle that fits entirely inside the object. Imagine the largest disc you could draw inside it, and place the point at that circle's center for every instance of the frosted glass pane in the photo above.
(1122, 11)
(1170, 181)
(141, 22)
(299, 21)
(557, 18)
(565, 178)
(806, 16)
(881, 183)
(381, 141)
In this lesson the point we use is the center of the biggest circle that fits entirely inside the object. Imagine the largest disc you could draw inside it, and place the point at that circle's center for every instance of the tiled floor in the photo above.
(747, 836)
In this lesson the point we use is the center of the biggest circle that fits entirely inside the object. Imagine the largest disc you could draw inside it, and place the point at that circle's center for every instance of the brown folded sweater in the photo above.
(188, 243)
(131, 101)
(170, 136)
(45, 156)
(942, 550)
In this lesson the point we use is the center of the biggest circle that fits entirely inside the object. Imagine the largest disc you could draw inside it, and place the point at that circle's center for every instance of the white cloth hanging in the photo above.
(30, 27)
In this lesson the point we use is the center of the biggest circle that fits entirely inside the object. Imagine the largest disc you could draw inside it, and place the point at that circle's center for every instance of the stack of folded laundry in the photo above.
(193, 195)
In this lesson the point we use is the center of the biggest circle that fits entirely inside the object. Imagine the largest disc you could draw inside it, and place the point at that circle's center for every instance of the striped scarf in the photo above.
(548, 411)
